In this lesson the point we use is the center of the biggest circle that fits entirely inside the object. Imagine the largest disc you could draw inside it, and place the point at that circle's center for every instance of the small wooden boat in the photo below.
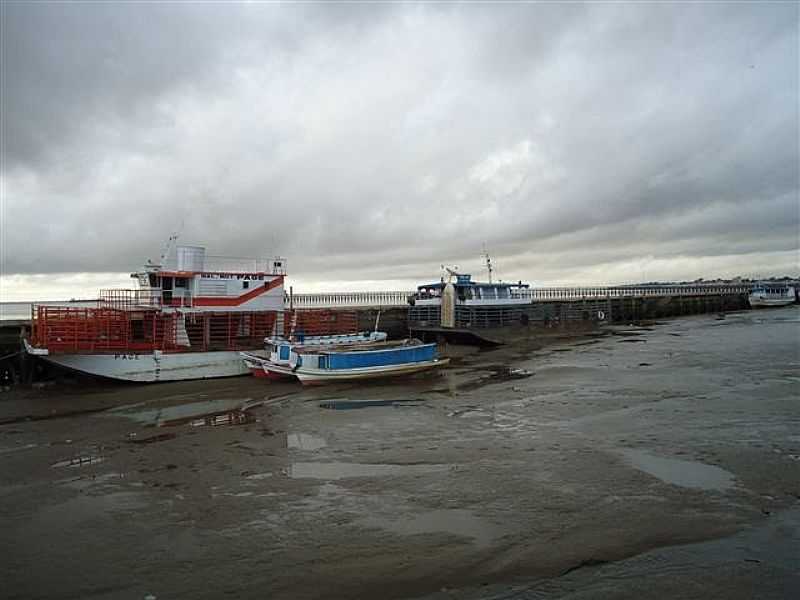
(276, 363)
(389, 359)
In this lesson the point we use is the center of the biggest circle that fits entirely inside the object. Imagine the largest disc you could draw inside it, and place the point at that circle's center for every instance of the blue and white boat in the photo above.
(388, 359)
(276, 364)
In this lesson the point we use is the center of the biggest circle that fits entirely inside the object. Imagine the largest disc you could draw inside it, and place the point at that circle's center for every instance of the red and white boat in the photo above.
(189, 319)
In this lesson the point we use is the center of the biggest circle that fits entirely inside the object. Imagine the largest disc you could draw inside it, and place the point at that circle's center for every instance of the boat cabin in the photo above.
(189, 279)
(471, 293)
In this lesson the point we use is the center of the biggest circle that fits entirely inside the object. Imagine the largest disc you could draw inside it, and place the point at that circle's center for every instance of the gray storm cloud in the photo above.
(368, 142)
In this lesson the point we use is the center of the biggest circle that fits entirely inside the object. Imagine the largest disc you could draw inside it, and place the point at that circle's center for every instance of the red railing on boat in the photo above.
(323, 321)
(126, 328)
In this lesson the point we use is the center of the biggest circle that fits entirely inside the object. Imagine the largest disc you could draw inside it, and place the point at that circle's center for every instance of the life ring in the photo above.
(601, 316)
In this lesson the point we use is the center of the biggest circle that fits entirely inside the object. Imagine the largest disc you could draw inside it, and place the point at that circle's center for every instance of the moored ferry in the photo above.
(188, 318)
(460, 302)
(766, 295)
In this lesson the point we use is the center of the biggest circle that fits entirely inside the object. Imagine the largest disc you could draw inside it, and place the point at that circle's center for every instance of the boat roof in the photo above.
(466, 281)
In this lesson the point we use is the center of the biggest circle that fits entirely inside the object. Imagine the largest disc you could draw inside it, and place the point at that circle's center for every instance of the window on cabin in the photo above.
(180, 282)
(245, 285)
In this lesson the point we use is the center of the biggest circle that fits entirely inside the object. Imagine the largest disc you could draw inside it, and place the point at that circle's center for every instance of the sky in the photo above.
(369, 144)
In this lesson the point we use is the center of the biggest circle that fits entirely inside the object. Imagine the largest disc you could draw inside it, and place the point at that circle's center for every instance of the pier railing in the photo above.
(400, 298)
(652, 291)
(361, 299)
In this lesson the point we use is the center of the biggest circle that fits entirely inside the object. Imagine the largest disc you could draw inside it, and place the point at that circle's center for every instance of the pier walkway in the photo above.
(390, 299)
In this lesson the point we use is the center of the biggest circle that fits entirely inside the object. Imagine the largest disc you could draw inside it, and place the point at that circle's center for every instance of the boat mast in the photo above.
(488, 262)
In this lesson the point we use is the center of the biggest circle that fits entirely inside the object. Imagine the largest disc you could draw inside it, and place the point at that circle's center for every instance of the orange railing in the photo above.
(320, 322)
(73, 329)
(62, 329)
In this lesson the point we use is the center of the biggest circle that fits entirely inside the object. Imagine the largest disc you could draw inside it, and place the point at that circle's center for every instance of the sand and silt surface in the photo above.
(652, 462)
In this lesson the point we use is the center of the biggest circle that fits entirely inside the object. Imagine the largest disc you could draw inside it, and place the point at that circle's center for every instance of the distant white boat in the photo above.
(767, 295)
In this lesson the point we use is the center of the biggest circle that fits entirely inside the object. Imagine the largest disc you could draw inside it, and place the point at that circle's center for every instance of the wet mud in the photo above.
(575, 468)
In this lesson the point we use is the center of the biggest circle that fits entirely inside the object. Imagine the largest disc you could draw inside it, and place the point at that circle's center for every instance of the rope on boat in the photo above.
(10, 355)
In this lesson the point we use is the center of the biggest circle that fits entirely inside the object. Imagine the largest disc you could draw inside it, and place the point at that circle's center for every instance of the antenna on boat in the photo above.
(168, 247)
(450, 272)
(488, 262)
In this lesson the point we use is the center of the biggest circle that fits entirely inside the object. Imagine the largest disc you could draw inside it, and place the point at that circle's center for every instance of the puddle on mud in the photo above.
(340, 470)
(459, 522)
(304, 441)
(209, 413)
(684, 473)
(497, 374)
(346, 404)
(259, 476)
(85, 482)
(161, 437)
(18, 448)
(508, 373)
(88, 507)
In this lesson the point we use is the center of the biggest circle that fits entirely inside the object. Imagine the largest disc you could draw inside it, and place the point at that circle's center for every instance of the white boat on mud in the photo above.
(381, 360)
(189, 318)
(767, 295)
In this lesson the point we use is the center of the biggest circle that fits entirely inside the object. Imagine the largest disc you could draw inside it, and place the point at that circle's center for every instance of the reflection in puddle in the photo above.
(304, 441)
(345, 404)
(78, 461)
(340, 470)
(198, 414)
(680, 472)
(454, 521)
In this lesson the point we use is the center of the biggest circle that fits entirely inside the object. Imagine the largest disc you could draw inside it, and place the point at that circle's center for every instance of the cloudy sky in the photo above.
(580, 143)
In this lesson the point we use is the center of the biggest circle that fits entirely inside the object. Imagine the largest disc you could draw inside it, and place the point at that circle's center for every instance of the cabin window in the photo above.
(153, 280)
(180, 282)
(245, 285)
(284, 353)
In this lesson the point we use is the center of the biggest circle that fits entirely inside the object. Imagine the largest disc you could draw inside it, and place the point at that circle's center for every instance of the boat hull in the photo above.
(769, 302)
(320, 376)
(263, 367)
(154, 366)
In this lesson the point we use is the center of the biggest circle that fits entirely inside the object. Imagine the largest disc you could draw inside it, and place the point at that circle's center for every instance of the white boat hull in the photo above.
(318, 376)
(769, 302)
(154, 366)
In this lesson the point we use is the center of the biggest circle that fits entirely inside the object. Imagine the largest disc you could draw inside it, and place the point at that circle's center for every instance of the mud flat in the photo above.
(589, 467)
